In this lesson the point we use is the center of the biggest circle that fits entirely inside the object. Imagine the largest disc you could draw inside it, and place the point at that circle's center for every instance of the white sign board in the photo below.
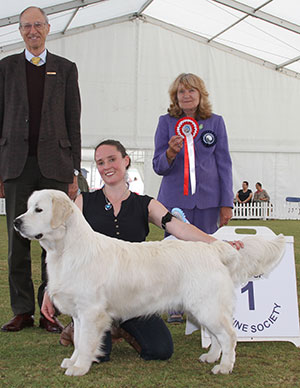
(266, 308)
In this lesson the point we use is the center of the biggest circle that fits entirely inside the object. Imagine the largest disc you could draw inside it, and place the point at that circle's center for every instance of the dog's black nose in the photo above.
(17, 223)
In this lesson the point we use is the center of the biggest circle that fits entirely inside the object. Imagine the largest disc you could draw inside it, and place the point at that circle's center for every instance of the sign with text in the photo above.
(266, 308)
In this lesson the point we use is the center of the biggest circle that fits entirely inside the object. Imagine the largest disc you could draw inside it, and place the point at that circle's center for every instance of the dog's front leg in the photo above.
(67, 362)
(214, 352)
(92, 325)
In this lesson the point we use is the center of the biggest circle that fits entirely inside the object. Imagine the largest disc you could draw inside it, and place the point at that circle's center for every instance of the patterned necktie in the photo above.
(36, 60)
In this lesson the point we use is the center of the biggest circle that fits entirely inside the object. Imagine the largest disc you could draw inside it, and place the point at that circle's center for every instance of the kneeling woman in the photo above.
(116, 212)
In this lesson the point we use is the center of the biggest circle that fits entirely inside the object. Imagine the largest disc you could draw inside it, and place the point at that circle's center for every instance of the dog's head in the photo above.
(48, 211)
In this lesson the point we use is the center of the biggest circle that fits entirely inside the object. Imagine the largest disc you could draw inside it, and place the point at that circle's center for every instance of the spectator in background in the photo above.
(261, 195)
(244, 195)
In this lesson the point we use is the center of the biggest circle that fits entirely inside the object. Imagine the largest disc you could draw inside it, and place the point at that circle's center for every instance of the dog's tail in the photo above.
(258, 257)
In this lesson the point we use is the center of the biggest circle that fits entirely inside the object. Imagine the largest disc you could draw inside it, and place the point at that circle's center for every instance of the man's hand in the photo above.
(2, 194)
(47, 308)
(73, 189)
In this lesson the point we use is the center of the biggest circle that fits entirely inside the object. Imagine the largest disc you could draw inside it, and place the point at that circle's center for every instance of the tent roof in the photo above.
(266, 31)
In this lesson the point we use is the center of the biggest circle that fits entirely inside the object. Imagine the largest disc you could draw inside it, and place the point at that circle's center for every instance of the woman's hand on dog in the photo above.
(237, 244)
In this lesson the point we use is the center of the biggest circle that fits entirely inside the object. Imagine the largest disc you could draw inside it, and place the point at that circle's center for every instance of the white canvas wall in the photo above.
(125, 71)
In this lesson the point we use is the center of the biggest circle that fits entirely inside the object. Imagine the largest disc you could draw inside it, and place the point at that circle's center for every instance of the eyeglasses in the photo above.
(37, 25)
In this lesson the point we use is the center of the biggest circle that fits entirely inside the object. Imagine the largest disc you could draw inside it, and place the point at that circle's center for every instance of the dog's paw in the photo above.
(67, 362)
(210, 358)
(76, 371)
(223, 369)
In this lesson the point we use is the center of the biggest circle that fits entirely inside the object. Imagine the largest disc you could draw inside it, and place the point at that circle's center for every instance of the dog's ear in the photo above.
(61, 210)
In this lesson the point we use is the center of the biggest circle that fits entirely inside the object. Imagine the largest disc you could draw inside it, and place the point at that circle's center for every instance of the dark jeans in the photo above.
(17, 192)
(152, 335)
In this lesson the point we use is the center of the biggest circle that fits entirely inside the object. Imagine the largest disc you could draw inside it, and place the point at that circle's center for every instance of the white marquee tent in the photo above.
(128, 53)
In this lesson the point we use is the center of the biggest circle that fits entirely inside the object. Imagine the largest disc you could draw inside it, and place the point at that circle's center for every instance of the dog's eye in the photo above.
(38, 210)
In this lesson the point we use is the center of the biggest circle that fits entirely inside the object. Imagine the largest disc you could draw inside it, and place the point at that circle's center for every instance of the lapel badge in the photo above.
(208, 138)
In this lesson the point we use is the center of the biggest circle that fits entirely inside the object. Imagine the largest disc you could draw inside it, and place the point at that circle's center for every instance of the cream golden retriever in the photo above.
(95, 278)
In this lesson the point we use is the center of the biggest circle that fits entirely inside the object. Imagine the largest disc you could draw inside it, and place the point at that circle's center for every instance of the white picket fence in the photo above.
(263, 211)
(267, 211)
(2, 206)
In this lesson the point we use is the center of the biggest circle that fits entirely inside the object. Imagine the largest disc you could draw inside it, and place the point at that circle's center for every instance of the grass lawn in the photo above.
(31, 357)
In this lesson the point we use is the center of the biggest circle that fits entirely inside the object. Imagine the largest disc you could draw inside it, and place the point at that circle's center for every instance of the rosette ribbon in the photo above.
(188, 128)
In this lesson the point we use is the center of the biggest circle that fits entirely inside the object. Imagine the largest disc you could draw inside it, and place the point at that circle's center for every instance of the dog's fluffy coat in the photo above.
(95, 278)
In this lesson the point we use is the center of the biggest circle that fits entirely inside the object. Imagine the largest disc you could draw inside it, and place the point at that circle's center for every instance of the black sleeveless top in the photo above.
(131, 224)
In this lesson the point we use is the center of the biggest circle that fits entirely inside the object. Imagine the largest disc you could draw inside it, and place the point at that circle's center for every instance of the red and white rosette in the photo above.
(188, 129)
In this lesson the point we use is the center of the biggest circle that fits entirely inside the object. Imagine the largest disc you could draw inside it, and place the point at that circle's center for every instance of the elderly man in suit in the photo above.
(40, 147)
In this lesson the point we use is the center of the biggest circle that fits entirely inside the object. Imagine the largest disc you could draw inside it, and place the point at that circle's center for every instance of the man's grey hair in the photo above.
(40, 9)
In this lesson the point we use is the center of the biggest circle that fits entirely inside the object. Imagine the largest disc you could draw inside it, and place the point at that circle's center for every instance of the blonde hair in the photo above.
(189, 80)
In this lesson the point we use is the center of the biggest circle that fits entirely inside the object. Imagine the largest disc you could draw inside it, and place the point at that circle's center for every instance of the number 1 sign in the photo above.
(266, 308)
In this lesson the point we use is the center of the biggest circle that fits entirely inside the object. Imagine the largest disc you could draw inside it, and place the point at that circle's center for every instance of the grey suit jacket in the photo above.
(59, 145)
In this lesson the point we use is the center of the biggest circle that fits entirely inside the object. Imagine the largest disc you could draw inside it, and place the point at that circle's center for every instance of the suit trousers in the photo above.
(17, 192)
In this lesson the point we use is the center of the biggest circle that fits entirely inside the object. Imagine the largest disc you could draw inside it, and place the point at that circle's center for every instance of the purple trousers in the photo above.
(205, 219)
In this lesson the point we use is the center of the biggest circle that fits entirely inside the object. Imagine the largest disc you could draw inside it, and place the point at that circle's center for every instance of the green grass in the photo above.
(31, 358)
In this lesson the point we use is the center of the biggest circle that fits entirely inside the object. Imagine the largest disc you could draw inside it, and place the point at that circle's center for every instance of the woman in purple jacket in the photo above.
(210, 206)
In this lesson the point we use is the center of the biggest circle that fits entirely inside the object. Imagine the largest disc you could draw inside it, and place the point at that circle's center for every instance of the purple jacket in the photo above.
(212, 162)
